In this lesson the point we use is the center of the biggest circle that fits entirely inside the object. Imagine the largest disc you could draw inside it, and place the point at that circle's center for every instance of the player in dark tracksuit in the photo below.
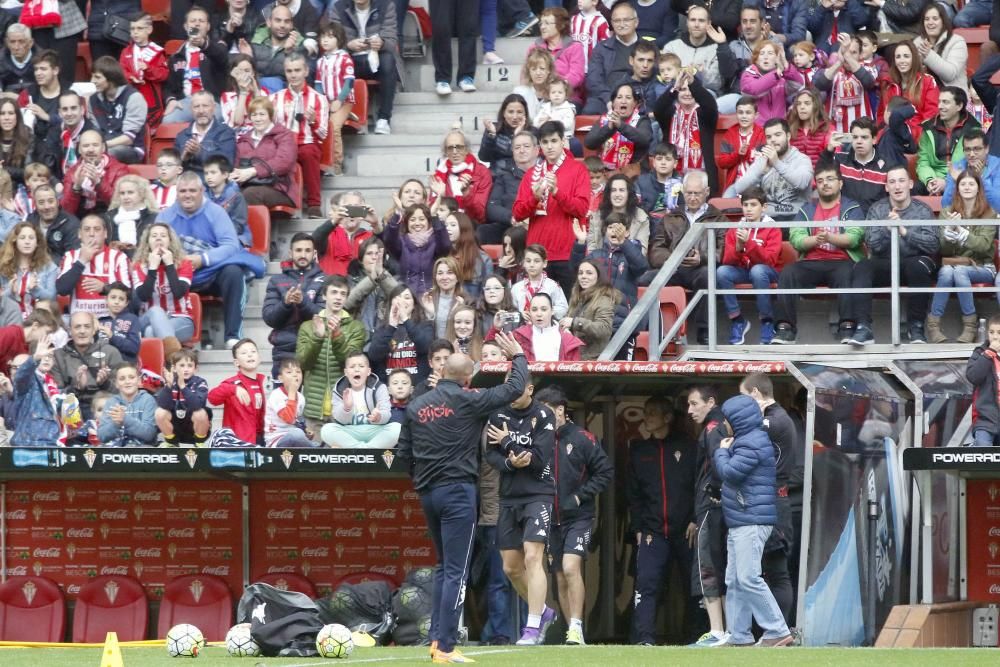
(582, 471)
(441, 440)
(781, 430)
(522, 439)
(708, 576)
(660, 490)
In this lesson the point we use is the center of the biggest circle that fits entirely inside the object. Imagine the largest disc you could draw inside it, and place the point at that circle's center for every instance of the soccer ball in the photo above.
(334, 641)
(424, 628)
(412, 598)
(423, 577)
(184, 641)
(240, 644)
(341, 601)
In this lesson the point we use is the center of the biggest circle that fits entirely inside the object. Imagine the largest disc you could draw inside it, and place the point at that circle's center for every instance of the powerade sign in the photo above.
(951, 458)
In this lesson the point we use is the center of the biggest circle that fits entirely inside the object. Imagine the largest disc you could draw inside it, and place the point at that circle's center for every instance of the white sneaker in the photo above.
(467, 85)
(231, 343)
(442, 88)
(382, 126)
(491, 58)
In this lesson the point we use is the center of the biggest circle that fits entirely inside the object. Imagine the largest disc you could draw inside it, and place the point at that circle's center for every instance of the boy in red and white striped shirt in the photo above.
(335, 76)
(588, 27)
(306, 113)
(168, 170)
(86, 271)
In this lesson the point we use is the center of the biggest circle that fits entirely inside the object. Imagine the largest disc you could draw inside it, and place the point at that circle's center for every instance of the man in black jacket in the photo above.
(293, 296)
(507, 177)
(708, 578)
(62, 229)
(521, 439)
(660, 490)
(440, 440)
(779, 545)
(582, 470)
(202, 63)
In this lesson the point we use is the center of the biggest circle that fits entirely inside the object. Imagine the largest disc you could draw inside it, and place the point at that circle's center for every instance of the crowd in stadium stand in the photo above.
(627, 123)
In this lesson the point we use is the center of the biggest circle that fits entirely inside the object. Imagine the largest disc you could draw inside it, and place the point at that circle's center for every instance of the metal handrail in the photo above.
(649, 304)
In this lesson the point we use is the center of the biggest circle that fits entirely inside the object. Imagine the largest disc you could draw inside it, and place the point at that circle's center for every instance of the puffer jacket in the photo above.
(36, 424)
(376, 398)
(322, 360)
(747, 467)
(285, 319)
(978, 247)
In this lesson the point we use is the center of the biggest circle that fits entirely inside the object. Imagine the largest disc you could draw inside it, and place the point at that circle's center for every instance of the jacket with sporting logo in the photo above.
(532, 429)
(582, 470)
(708, 486)
(440, 438)
(660, 485)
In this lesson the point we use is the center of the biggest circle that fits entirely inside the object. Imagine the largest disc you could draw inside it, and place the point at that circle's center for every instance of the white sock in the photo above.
(576, 623)
(534, 621)
(719, 633)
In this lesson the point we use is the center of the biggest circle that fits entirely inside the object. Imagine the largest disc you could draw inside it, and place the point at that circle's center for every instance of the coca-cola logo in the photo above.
(348, 532)
(994, 531)
(994, 589)
(606, 368)
(411, 495)
(181, 533)
(221, 515)
(389, 570)
(45, 497)
(720, 368)
(114, 514)
(17, 571)
(563, 367)
(316, 552)
(147, 552)
(73, 589)
(683, 368)
(51, 552)
(416, 552)
(114, 569)
(281, 514)
(217, 570)
(17, 515)
(315, 496)
(646, 368)
(79, 533)
(382, 514)
(147, 496)
(281, 569)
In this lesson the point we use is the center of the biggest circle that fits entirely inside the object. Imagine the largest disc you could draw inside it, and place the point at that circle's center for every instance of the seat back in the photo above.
(295, 193)
(83, 61)
(731, 207)
(974, 39)
(151, 355)
(164, 138)
(32, 609)
(359, 121)
(202, 600)
(789, 255)
(259, 221)
(195, 319)
(289, 582)
(583, 125)
(147, 171)
(933, 202)
(362, 577)
(172, 46)
(673, 301)
(110, 604)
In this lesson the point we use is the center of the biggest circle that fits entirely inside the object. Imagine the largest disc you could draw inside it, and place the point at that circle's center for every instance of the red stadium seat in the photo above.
(673, 301)
(195, 318)
(259, 221)
(147, 171)
(172, 46)
(724, 122)
(911, 165)
(110, 604)
(974, 38)
(362, 577)
(151, 354)
(360, 111)
(202, 600)
(495, 251)
(64, 302)
(164, 138)
(583, 125)
(289, 582)
(159, 10)
(731, 207)
(32, 609)
(933, 202)
(83, 61)
(290, 211)
(789, 255)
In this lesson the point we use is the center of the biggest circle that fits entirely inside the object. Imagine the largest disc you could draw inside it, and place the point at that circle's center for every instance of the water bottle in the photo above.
(981, 334)
(220, 458)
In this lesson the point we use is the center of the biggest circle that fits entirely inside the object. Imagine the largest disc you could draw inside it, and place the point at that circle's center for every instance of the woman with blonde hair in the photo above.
(445, 295)
(133, 209)
(464, 331)
(27, 273)
(536, 75)
(162, 276)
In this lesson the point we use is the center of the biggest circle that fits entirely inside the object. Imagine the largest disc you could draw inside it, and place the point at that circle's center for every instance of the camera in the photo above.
(193, 32)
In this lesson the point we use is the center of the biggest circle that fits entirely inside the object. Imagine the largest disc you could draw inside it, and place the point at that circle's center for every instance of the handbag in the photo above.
(248, 162)
(117, 29)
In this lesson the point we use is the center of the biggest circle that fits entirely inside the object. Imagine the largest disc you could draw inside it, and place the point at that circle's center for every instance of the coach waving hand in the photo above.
(441, 440)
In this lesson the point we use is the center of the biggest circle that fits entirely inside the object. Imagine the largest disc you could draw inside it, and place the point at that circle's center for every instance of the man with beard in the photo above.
(89, 184)
(270, 45)
(781, 170)
(941, 142)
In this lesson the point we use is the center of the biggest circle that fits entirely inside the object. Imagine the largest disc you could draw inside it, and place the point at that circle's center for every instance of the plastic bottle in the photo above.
(981, 334)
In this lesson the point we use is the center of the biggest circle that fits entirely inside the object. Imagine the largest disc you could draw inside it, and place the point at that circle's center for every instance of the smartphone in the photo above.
(194, 32)
(356, 211)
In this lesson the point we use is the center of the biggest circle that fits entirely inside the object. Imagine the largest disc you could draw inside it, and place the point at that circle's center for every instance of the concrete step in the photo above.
(402, 162)
(436, 124)
(358, 143)
(420, 77)
(512, 50)
(430, 98)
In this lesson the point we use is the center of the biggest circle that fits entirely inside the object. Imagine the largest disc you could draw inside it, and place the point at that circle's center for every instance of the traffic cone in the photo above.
(111, 655)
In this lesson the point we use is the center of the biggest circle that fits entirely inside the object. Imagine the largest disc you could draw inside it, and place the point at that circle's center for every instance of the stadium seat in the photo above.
(789, 255)
(933, 202)
(147, 171)
(159, 10)
(203, 600)
(164, 138)
(151, 354)
(289, 582)
(32, 609)
(64, 302)
(583, 125)
(673, 301)
(911, 165)
(974, 38)
(360, 111)
(82, 61)
(290, 211)
(110, 604)
(494, 251)
(195, 318)
(731, 207)
(172, 46)
(259, 221)
(724, 122)
(362, 577)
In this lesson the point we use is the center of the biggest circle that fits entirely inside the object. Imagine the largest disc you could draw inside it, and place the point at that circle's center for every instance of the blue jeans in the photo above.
(156, 323)
(975, 13)
(760, 276)
(959, 276)
(498, 592)
(747, 596)
(983, 438)
(451, 511)
(488, 24)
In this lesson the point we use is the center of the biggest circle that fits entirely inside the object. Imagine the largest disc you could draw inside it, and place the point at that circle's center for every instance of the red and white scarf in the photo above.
(24, 297)
(685, 135)
(192, 71)
(89, 188)
(618, 151)
(542, 169)
(41, 14)
(451, 174)
(848, 101)
(69, 139)
(531, 290)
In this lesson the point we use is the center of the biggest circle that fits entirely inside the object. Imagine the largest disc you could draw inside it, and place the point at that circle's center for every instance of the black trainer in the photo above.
(845, 331)
(915, 332)
(862, 336)
(784, 334)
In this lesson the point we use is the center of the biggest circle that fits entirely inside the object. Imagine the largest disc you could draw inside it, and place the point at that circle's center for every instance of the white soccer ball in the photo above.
(184, 641)
(240, 643)
(334, 641)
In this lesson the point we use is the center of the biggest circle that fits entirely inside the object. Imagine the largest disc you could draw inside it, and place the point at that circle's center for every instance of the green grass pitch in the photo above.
(551, 656)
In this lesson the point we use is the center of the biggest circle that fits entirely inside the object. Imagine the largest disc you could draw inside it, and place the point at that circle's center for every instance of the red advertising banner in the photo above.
(72, 530)
(326, 529)
(983, 539)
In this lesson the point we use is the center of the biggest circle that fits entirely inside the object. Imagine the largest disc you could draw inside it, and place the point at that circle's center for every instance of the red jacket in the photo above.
(275, 155)
(763, 247)
(149, 82)
(341, 250)
(71, 201)
(729, 156)
(246, 421)
(812, 144)
(474, 203)
(554, 229)
(569, 349)
(926, 106)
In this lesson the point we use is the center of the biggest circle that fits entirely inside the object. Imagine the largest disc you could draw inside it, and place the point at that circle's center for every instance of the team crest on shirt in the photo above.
(677, 456)
(534, 420)
(710, 426)
(569, 449)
